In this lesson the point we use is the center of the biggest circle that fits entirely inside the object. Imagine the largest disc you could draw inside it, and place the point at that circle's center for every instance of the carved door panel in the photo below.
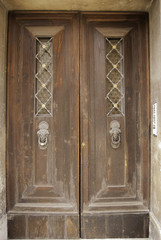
(77, 125)
(114, 115)
(43, 93)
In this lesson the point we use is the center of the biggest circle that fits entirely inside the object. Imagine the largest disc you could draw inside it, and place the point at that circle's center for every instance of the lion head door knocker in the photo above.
(115, 133)
(43, 134)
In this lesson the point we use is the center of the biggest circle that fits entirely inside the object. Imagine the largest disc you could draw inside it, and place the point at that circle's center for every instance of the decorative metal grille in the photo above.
(115, 76)
(44, 76)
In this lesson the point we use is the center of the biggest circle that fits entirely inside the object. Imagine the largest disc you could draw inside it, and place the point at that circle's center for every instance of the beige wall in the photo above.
(81, 5)
(155, 76)
(3, 21)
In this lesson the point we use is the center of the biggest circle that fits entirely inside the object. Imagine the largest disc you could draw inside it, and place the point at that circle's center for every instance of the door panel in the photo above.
(113, 73)
(43, 118)
(52, 120)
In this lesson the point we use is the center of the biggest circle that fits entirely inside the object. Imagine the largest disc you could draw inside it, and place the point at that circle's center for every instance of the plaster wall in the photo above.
(155, 77)
(81, 5)
(3, 23)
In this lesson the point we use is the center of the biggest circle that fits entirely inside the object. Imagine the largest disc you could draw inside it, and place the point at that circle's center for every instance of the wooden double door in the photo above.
(77, 125)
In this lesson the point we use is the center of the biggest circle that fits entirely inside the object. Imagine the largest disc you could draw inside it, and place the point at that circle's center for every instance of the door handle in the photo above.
(115, 133)
(43, 134)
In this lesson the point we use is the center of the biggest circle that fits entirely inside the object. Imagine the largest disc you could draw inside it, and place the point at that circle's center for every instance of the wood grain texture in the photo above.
(46, 196)
(115, 226)
(113, 180)
(16, 227)
(43, 180)
(46, 226)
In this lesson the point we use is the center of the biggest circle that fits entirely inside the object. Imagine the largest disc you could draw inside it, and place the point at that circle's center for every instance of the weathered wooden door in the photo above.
(114, 115)
(77, 125)
(43, 130)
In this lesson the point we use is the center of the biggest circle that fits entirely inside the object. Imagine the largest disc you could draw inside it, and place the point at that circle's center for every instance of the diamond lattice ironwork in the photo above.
(44, 76)
(115, 77)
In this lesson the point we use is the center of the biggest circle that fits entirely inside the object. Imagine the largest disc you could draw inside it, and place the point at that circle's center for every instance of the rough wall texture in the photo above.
(155, 75)
(82, 5)
(3, 227)
(3, 23)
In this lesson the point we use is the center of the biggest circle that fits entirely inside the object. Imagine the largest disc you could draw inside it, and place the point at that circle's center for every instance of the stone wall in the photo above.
(155, 78)
(3, 27)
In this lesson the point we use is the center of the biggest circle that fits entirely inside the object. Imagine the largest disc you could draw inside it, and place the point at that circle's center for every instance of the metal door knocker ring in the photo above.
(115, 133)
(43, 134)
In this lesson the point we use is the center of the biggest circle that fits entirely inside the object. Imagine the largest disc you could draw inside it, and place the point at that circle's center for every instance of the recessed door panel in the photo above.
(43, 108)
(77, 125)
(114, 123)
